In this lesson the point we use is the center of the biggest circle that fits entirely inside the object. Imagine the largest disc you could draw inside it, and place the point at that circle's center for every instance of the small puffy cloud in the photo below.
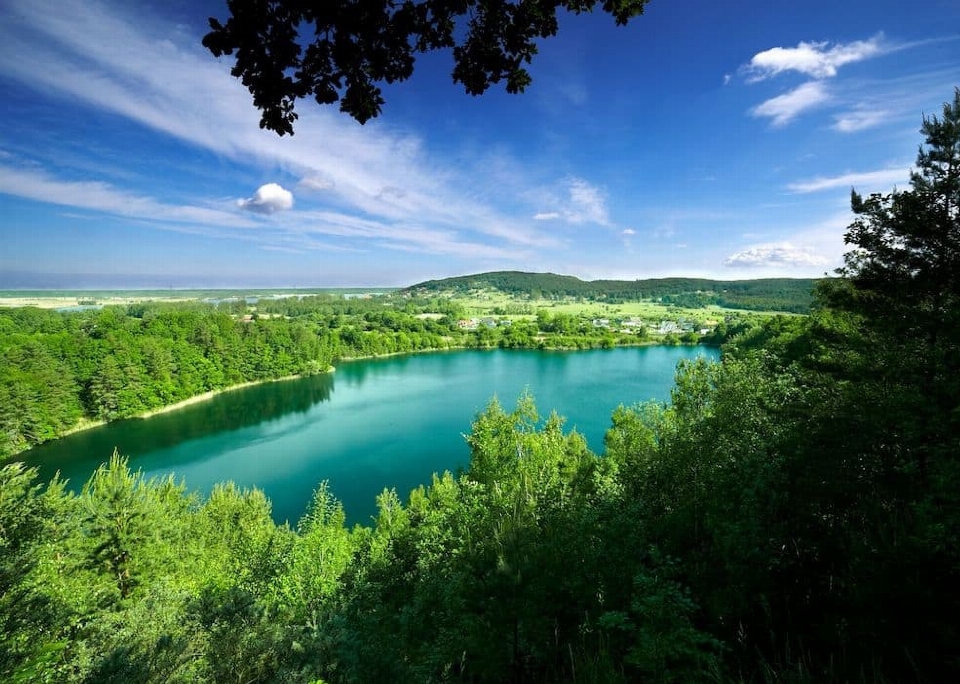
(784, 108)
(783, 254)
(873, 179)
(546, 216)
(629, 231)
(268, 199)
(818, 60)
(858, 120)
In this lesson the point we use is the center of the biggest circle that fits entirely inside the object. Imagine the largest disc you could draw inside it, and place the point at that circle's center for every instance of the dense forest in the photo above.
(791, 515)
(793, 295)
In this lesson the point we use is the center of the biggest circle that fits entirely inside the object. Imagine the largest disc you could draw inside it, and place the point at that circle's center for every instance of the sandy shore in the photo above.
(87, 423)
(212, 393)
(83, 424)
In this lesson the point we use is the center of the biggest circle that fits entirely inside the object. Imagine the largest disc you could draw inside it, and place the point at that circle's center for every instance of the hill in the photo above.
(766, 294)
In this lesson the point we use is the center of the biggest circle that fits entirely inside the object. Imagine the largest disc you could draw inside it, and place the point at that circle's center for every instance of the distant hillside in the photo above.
(766, 294)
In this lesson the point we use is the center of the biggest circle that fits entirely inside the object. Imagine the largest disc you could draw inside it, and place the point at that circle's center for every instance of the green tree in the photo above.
(120, 522)
(894, 335)
(28, 618)
(341, 50)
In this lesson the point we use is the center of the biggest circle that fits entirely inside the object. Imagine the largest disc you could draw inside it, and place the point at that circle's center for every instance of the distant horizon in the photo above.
(118, 282)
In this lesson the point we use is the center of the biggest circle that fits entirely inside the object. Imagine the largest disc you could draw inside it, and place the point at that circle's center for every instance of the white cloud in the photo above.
(859, 119)
(268, 199)
(876, 180)
(776, 255)
(546, 216)
(818, 60)
(784, 108)
(629, 231)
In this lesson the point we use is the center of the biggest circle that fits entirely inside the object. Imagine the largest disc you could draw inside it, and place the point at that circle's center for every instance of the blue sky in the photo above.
(704, 139)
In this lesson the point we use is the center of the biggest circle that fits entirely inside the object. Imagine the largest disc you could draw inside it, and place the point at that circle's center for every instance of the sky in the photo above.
(705, 139)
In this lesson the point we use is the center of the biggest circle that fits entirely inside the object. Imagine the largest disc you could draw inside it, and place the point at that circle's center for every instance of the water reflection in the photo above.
(224, 413)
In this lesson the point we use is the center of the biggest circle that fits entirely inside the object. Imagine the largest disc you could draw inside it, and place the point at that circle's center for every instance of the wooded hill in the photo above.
(768, 294)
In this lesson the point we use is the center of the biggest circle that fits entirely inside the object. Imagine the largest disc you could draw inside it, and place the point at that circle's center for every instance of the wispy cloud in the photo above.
(782, 109)
(587, 203)
(817, 60)
(316, 184)
(859, 119)
(415, 237)
(578, 202)
(280, 248)
(875, 180)
(40, 186)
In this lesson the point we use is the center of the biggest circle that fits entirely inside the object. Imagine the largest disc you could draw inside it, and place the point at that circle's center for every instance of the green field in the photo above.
(494, 303)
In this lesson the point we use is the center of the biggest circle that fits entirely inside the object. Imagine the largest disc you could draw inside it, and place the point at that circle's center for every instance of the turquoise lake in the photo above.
(373, 424)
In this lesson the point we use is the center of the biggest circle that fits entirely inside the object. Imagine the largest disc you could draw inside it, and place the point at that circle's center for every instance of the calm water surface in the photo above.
(372, 424)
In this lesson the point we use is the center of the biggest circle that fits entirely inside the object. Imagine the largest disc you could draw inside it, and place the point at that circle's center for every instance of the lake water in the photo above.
(372, 424)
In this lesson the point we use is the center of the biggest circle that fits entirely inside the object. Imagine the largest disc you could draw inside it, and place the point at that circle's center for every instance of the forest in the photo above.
(791, 515)
(792, 295)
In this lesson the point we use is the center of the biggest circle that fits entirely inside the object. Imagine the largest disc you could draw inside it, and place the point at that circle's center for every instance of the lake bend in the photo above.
(372, 424)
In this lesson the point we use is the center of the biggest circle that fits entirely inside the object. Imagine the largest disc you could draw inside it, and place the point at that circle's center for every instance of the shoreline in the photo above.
(645, 343)
(198, 398)
(89, 423)
(82, 424)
